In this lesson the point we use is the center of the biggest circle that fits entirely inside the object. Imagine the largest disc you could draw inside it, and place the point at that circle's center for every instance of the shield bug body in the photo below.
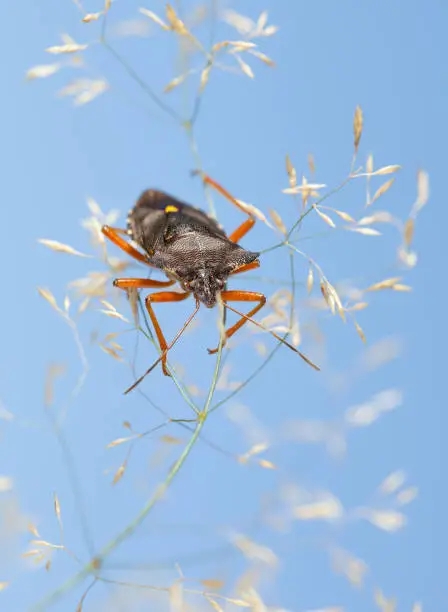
(191, 248)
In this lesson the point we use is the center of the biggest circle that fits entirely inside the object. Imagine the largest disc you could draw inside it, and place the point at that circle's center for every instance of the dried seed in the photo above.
(357, 126)
(382, 189)
(325, 217)
(59, 247)
(408, 232)
(42, 71)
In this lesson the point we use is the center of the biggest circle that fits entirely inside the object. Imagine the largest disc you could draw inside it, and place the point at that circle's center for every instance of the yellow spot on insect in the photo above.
(171, 208)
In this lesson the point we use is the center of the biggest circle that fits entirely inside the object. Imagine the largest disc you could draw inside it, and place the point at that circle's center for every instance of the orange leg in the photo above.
(246, 267)
(246, 225)
(141, 283)
(241, 296)
(113, 234)
(163, 296)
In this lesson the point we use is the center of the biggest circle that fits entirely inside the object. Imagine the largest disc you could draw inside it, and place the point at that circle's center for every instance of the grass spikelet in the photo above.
(328, 220)
(408, 232)
(310, 280)
(387, 283)
(59, 247)
(365, 231)
(47, 295)
(348, 565)
(357, 127)
(155, 18)
(245, 68)
(67, 48)
(387, 520)
(392, 482)
(278, 221)
(42, 71)
(382, 190)
(360, 331)
(406, 496)
(89, 17)
(292, 174)
(119, 473)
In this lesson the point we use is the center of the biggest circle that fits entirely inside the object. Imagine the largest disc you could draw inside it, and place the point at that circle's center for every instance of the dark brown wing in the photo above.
(147, 221)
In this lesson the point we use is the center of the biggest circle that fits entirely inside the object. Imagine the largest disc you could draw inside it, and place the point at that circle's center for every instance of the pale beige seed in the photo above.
(386, 170)
(110, 351)
(392, 482)
(365, 231)
(118, 441)
(357, 126)
(387, 283)
(405, 496)
(67, 48)
(33, 530)
(176, 24)
(382, 190)
(167, 439)
(83, 306)
(311, 163)
(4, 585)
(57, 507)
(246, 69)
(422, 191)
(400, 287)
(114, 314)
(262, 57)
(119, 473)
(264, 463)
(408, 232)
(383, 603)
(91, 17)
(59, 247)
(292, 174)
(214, 604)
(310, 280)
(408, 258)
(42, 71)
(205, 75)
(382, 216)
(360, 332)
(329, 509)
(325, 217)
(6, 484)
(47, 295)
(176, 82)
(154, 18)
(277, 220)
(31, 553)
(357, 306)
(254, 211)
(387, 520)
(46, 544)
(351, 567)
(253, 551)
(344, 215)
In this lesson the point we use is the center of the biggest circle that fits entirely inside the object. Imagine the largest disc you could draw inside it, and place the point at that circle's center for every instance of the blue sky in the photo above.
(390, 58)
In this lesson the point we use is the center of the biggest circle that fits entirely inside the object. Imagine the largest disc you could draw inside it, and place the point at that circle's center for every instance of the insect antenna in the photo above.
(165, 352)
(282, 340)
